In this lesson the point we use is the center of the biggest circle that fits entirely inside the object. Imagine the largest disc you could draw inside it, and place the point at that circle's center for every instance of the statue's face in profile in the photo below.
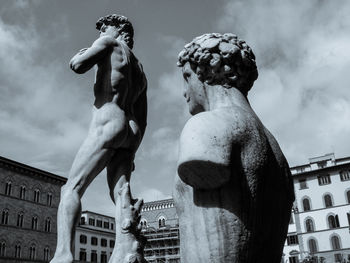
(193, 90)
(107, 30)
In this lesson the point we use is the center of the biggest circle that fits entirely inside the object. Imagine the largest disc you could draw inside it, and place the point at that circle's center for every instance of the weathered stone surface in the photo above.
(233, 191)
(116, 130)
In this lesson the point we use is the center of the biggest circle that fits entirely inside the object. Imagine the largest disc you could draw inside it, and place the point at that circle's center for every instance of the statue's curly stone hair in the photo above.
(221, 59)
(122, 23)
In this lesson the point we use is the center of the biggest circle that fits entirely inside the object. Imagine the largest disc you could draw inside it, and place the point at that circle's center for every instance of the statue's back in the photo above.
(246, 219)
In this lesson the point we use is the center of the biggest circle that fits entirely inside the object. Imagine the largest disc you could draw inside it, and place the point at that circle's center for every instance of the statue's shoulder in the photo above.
(222, 124)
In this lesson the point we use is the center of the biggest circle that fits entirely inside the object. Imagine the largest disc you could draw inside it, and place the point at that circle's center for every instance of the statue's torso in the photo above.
(218, 225)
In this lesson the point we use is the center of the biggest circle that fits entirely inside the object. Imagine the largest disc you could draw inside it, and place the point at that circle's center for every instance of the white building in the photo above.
(94, 238)
(320, 220)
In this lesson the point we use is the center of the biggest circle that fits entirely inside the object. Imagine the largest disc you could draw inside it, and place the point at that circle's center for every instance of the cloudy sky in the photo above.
(302, 93)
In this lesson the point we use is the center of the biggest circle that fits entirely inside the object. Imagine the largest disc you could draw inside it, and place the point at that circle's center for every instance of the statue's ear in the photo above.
(103, 28)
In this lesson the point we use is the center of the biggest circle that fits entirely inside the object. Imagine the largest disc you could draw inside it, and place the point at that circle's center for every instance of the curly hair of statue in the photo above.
(122, 23)
(221, 59)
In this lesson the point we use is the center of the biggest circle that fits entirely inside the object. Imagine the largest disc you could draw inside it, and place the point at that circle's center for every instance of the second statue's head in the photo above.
(218, 59)
(117, 25)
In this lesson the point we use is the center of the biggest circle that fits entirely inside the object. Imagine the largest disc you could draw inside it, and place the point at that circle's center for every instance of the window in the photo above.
(293, 259)
(161, 222)
(46, 253)
(35, 223)
(49, 199)
(290, 219)
(32, 252)
(3, 249)
(94, 241)
(335, 243)
(348, 214)
(5, 217)
(112, 225)
(103, 242)
(106, 225)
(47, 225)
(328, 200)
(338, 257)
(91, 221)
(93, 256)
(324, 179)
(83, 239)
(82, 220)
(348, 196)
(345, 175)
(309, 225)
(312, 246)
(17, 251)
(22, 192)
(111, 243)
(333, 221)
(20, 220)
(82, 255)
(302, 184)
(321, 165)
(8, 188)
(36, 196)
(103, 257)
(306, 204)
(99, 223)
(292, 240)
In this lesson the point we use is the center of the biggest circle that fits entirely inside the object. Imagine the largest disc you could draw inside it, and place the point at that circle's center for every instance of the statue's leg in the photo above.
(91, 159)
(129, 244)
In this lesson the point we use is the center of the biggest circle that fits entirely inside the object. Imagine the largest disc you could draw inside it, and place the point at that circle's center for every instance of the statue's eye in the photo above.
(186, 75)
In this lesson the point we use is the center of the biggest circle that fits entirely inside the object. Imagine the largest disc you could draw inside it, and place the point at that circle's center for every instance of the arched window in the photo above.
(36, 195)
(8, 188)
(20, 219)
(3, 249)
(83, 239)
(348, 196)
(32, 252)
(309, 225)
(328, 200)
(143, 223)
(46, 253)
(161, 222)
(22, 192)
(5, 217)
(35, 223)
(48, 225)
(49, 199)
(306, 204)
(335, 242)
(18, 251)
(312, 246)
(333, 221)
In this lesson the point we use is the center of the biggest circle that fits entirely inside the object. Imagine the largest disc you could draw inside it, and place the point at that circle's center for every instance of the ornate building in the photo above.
(28, 207)
(319, 227)
(160, 225)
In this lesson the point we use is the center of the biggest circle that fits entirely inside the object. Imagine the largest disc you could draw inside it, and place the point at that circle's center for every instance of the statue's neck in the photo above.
(220, 97)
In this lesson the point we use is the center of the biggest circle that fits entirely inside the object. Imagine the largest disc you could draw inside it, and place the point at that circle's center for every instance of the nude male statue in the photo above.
(117, 127)
(233, 189)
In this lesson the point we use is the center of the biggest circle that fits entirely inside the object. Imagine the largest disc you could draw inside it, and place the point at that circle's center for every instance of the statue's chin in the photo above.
(203, 174)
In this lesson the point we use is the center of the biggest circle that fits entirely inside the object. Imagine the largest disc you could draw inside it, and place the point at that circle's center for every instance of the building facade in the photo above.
(28, 207)
(319, 226)
(94, 238)
(95, 235)
(160, 225)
